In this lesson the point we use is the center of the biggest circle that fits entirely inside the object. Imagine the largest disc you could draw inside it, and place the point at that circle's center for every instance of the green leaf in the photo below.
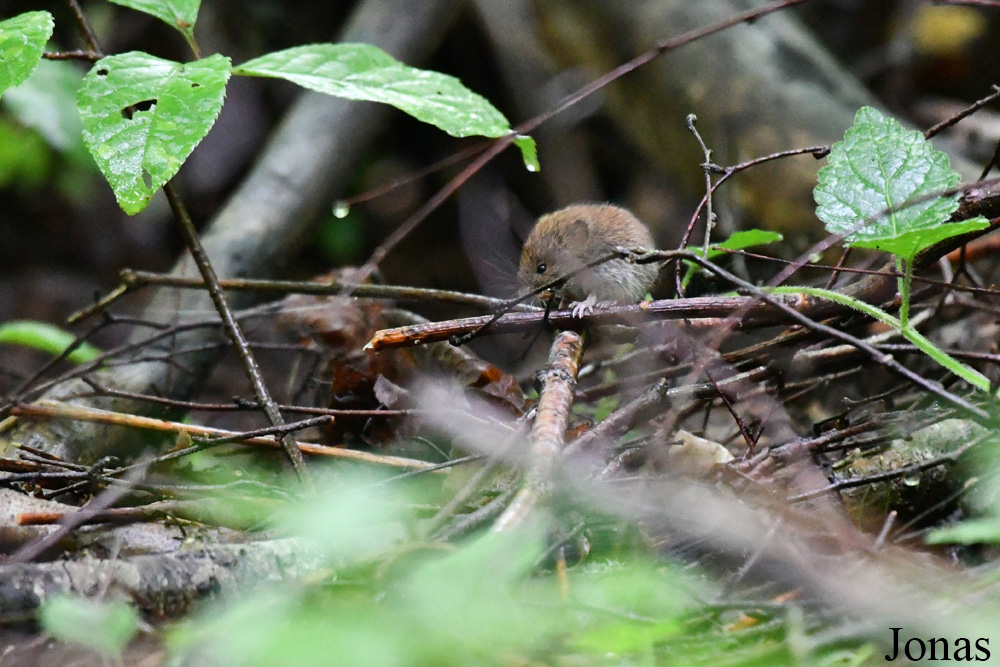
(106, 627)
(180, 14)
(365, 72)
(650, 604)
(881, 184)
(970, 531)
(22, 40)
(908, 244)
(605, 406)
(142, 116)
(529, 152)
(47, 103)
(438, 593)
(744, 239)
(737, 241)
(352, 520)
(626, 637)
(46, 337)
(748, 239)
(25, 158)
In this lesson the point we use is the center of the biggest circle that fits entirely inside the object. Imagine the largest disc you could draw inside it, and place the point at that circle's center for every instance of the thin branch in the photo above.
(52, 410)
(706, 166)
(964, 113)
(233, 329)
(88, 56)
(85, 30)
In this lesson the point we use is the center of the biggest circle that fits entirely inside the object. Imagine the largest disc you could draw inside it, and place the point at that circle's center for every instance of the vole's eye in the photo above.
(541, 268)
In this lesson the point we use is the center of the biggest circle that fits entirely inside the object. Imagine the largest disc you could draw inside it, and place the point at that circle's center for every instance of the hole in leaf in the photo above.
(144, 105)
(195, 84)
(102, 71)
(147, 179)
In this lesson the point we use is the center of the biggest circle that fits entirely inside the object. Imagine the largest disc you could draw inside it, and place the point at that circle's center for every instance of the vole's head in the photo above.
(556, 246)
(571, 238)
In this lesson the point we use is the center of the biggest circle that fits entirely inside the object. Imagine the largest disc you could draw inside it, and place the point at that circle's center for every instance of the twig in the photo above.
(880, 357)
(548, 433)
(133, 280)
(199, 446)
(89, 56)
(84, 26)
(751, 433)
(472, 485)
(706, 166)
(653, 400)
(890, 519)
(54, 410)
(386, 188)
(241, 405)
(967, 111)
(728, 172)
(115, 515)
(990, 4)
(54, 361)
(232, 327)
(70, 522)
(751, 311)
(688, 309)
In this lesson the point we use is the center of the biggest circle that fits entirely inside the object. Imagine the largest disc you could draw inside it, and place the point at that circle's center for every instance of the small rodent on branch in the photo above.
(570, 238)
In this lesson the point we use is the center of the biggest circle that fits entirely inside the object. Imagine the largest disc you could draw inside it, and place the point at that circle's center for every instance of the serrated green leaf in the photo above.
(22, 40)
(47, 338)
(179, 14)
(106, 627)
(365, 72)
(142, 116)
(908, 244)
(880, 184)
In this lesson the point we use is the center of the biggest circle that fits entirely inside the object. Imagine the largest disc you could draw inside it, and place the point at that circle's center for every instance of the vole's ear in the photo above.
(578, 232)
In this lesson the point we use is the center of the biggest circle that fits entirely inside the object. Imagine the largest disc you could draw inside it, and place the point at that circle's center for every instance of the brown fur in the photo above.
(570, 238)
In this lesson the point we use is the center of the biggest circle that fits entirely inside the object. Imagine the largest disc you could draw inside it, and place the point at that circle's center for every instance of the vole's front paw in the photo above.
(585, 307)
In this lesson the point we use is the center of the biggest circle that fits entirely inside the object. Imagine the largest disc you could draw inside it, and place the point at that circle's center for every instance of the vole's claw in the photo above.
(585, 307)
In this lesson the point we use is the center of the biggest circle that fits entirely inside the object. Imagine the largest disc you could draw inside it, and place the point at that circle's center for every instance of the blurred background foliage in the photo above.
(789, 81)
(62, 238)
